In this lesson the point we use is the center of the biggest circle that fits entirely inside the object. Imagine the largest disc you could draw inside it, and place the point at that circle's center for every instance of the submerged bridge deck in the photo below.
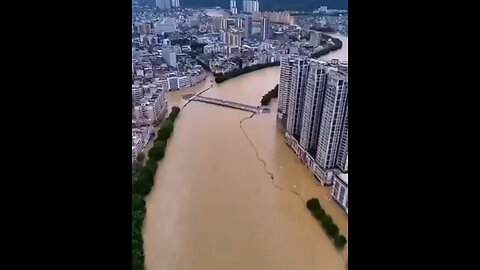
(230, 104)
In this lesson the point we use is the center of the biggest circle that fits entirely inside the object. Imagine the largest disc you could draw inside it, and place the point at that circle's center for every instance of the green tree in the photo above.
(319, 213)
(146, 173)
(174, 113)
(151, 165)
(165, 131)
(138, 203)
(313, 204)
(137, 217)
(332, 230)
(137, 244)
(141, 187)
(326, 220)
(158, 151)
(340, 241)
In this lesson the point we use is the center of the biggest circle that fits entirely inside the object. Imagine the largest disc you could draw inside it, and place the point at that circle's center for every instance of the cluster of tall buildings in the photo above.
(274, 17)
(167, 4)
(313, 110)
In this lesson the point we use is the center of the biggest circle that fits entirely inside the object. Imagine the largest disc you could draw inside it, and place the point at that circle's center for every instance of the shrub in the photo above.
(137, 217)
(145, 173)
(138, 203)
(158, 151)
(165, 131)
(151, 165)
(340, 241)
(326, 220)
(313, 204)
(319, 213)
(141, 186)
(174, 113)
(137, 244)
(332, 230)
(137, 259)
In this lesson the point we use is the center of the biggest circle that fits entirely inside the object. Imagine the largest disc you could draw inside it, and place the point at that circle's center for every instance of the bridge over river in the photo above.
(226, 103)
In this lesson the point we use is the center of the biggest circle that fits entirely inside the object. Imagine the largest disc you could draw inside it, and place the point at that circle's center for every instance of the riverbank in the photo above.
(219, 78)
(192, 213)
(142, 182)
(337, 45)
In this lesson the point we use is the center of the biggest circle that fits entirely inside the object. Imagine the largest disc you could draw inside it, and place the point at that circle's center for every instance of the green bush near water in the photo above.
(158, 151)
(174, 113)
(165, 131)
(326, 220)
(340, 241)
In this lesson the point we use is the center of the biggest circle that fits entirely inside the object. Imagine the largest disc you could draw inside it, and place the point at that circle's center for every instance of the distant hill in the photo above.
(269, 4)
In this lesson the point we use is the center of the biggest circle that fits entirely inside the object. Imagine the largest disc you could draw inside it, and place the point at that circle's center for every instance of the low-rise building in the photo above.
(151, 108)
(340, 190)
(166, 25)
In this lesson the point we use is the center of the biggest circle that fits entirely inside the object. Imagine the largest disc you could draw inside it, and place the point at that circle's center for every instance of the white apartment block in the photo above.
(137, 94)
(275, 17)
(151, 108)
(233, 7)
(239, 22)
(163, 4)
(176, 3)
(315, 38)
(340, 190)
(224, 24)
(315, 89)
(141, 134)
(265, 29)
(231, 38)
(170, 56)
(315, 96)
(250, 6)
(296, 95)
(342, 156)
(331, 123)
(166, 25)
(286, 66)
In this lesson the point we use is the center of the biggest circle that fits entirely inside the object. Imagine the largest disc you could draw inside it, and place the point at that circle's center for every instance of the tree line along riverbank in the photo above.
(142, 183)
(269, 95)
(221, 77)
(327, 223)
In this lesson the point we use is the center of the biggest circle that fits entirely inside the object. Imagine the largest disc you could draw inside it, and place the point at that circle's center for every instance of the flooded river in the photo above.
(214, 204)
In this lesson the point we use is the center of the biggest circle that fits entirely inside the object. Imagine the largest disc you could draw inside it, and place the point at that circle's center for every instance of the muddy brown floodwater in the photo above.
(214, 206)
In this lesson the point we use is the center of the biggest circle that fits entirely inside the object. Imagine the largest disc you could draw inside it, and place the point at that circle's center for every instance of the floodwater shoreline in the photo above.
(222, 213)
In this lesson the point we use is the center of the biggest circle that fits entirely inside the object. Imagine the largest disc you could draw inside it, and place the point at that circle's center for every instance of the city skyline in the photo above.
(216, 74)
(272, 5)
